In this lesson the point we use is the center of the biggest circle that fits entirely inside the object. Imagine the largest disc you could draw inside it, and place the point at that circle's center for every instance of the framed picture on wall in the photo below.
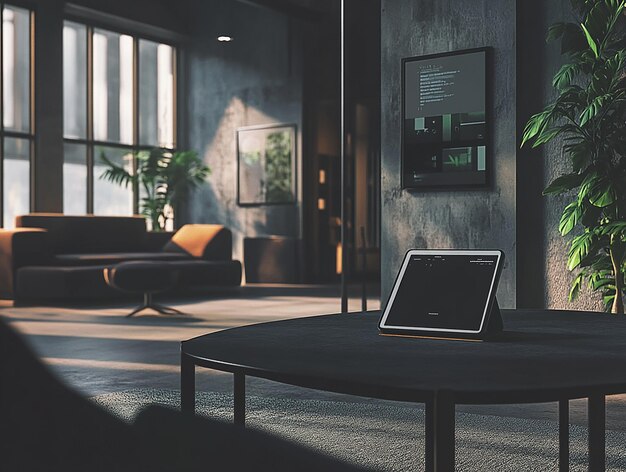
(266, 165)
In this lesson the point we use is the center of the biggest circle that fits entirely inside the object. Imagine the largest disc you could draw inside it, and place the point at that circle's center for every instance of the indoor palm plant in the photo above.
(164, 180)
(589, 115)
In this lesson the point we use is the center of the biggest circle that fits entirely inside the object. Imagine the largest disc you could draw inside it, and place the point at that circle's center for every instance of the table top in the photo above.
(542, 356)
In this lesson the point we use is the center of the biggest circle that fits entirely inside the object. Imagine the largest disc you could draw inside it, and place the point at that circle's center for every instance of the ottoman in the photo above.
(146, 277)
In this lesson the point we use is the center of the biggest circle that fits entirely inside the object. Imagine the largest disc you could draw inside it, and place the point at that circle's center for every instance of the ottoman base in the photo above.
(149, 304)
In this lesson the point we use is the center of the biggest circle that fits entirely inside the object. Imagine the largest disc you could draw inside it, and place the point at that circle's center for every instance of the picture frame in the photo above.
(266, 165)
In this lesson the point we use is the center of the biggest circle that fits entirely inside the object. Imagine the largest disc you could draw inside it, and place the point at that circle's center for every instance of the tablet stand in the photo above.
(495, 325)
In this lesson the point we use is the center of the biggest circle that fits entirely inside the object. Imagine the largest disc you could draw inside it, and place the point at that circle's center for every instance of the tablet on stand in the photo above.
(445, 294)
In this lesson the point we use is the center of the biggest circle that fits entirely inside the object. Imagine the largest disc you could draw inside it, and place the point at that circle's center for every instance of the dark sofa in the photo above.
(59, 257)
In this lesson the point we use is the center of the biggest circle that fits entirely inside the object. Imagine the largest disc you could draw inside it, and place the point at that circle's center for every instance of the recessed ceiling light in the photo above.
(225, 39)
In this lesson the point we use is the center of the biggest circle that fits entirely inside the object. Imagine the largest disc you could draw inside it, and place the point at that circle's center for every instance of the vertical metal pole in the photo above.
(239, 390)
(597, 416)
(135, 118)
(90, 134)
(364, 270)
(563, 435)
(344, 213)
(187, 384)
(31, 119)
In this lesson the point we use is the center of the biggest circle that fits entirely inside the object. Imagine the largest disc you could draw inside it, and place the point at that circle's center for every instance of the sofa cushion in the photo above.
(88, 234)
(87, 282)
(210, 242)
(115, 258)
(56, 283)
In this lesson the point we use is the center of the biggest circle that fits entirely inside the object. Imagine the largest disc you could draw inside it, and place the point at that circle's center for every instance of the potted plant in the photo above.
(589, 115)
(164, 180)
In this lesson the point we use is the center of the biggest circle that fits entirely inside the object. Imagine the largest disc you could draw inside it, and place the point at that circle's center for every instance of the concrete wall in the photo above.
(449, 219)
(543, 278)
(254, 80)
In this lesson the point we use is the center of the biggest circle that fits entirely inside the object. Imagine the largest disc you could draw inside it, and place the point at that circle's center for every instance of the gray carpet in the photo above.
(387, 437)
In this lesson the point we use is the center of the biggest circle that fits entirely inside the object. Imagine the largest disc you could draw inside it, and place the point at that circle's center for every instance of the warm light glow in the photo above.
(339, 260)
(322, 176)
(225, 39)
(321, 204)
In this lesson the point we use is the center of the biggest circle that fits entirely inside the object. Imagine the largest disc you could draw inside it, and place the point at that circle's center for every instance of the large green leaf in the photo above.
(617, 228)
(590, 41)
(600, 21)
(602, 194)
(566, 75)
(547, 135)
(608, 300)
(603, 283)
(579, 153)
(569, 219)
(590, 180)
(536, 124)
(116, 173)
(575, 290)
(563, 184)
(579, 249)
(594, 107)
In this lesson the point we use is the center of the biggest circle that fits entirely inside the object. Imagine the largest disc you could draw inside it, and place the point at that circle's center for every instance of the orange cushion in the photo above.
(212, 242)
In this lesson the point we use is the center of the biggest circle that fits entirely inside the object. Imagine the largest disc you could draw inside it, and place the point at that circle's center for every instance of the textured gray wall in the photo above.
(557, 277)
(449, 219)
(254, 80)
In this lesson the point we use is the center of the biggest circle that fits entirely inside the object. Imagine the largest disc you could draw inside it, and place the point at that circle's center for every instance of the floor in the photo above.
(97, 350)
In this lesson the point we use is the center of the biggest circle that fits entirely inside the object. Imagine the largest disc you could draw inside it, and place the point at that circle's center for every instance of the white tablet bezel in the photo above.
(442, 252)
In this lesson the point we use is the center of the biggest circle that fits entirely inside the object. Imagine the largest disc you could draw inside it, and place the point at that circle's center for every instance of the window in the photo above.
(119, 97)
(16, 130)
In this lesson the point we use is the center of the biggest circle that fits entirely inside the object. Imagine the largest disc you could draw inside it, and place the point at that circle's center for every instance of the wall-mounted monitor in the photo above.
(445, 120)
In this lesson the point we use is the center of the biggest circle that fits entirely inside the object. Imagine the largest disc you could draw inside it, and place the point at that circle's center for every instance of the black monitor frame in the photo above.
(488, 122)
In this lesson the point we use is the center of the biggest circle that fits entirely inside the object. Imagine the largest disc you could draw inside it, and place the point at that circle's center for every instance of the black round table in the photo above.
(542, 356)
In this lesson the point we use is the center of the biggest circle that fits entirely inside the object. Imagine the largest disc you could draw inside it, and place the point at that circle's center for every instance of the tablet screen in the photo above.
(447, 291)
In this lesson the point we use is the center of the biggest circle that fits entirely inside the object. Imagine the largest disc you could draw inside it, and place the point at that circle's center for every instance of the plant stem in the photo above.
(618, 302)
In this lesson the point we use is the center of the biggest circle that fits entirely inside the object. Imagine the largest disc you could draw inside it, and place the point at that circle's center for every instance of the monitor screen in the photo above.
(442, 291)
(445, 126)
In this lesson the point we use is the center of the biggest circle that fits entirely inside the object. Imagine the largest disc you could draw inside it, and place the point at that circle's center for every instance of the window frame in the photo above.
(137, 33)
(4, 133)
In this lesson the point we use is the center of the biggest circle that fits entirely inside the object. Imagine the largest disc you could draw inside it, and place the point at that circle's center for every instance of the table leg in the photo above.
(563, 435)
(239, 391)
(596, 416)
(440, 432)
(187, 384)
(429, 440)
